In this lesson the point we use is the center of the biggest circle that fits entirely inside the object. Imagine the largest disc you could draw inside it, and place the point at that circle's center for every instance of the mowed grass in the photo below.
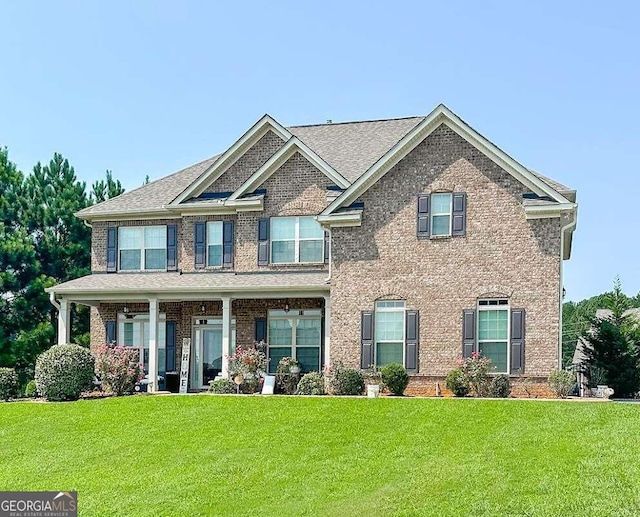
(295, 456)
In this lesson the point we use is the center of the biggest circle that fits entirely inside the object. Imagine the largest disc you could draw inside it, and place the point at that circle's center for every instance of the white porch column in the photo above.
(153, 344)
(327, 329)
(226, 334)
(64, 321)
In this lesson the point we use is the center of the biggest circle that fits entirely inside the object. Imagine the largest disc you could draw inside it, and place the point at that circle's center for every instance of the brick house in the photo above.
(412, 240)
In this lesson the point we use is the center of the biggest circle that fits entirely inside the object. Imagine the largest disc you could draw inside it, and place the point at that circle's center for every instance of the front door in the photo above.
(207, 351)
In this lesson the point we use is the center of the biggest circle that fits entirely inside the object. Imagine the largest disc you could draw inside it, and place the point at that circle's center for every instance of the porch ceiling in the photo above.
(176, 286)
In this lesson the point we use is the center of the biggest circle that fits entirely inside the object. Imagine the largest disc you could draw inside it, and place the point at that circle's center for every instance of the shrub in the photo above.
(118, 369)
(395, 377)
(476, 368)
(561, 382)
(458, 383)
(286, 381)
(250, 363)
(30, 390)
(500, 386)
(312, 383)
(64, 371)
(222, 386)
(347, 381)
(8, 383)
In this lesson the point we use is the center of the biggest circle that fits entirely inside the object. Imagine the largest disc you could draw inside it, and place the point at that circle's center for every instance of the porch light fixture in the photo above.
(286, 307)
(202, 308)
(125, 309)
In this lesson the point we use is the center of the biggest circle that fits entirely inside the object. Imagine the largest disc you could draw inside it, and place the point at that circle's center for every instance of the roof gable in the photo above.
(442, 115)
(231, 155)
(281, 156)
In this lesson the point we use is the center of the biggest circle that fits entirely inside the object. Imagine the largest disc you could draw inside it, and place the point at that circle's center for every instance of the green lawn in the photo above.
(281, 456)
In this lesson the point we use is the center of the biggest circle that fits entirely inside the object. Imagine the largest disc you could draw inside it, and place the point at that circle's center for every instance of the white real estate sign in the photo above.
(184, 365)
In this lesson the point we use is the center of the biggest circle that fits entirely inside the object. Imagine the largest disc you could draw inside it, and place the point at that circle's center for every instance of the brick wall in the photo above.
(247, 164)
(502, 253)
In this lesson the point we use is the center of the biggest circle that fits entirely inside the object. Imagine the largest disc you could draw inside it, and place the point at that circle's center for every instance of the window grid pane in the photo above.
(311, 251)
(280, 333)
(389, 326)
(155, 237)
(441, 204)
(214, 232)
(440, 225)
(310, 229)
(283, 228)
(497, 352)
(308, 332)
(129, 238)
(493, 325)
(155, 259)
(389, 353)
(283, 252)
(309, 357)
(214, 255)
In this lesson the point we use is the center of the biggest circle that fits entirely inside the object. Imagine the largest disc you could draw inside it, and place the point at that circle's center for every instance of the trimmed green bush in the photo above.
(223, 386)
(500, 386)
(458, 383)
(395, 378)
(347, 381)
(30, 390)
(312, 383)
(64, 371)
(8, 384)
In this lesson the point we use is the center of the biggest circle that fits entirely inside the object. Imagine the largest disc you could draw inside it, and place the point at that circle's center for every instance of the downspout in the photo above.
(52, 299)
(571, 225)
(328, 279)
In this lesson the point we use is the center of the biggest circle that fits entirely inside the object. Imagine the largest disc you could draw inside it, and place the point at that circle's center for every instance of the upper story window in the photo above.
(442, 214)
(296, 240)
(214, 243)
(142, 248)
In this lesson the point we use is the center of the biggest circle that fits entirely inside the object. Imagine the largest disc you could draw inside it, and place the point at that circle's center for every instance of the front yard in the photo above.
(228, 455)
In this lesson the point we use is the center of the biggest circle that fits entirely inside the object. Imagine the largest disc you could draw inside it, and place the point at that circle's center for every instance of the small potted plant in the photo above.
(373, 382)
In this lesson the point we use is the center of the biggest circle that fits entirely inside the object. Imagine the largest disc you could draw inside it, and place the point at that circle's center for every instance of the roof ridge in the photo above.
(357, 121)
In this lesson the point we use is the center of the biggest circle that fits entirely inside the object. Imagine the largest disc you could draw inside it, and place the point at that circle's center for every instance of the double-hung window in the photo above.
(133, 331)
(493, 333)
(296, 240)
(296, 334)
(214, 243)
(389, 332)
(142, 248)
(441, 206)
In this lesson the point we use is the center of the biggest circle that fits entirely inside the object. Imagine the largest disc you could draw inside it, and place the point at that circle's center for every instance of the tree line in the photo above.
(42, 243)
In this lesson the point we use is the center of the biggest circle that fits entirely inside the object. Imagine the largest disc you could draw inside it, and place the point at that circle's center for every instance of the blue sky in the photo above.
(151, 87)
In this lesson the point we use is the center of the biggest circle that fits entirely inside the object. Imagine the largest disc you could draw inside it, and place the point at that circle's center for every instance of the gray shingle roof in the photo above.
(215, 282)
(349, 147)
(352, 147)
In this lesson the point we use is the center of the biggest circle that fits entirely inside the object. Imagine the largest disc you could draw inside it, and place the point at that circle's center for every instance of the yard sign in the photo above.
(184, 366)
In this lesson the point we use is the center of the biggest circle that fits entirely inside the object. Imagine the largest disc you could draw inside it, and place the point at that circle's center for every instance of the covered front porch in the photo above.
(208, 316)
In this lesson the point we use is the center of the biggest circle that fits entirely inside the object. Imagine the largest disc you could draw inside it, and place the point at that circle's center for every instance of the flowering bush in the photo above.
(118, 369)
(287, 381)
(251, 364)
(476, 369)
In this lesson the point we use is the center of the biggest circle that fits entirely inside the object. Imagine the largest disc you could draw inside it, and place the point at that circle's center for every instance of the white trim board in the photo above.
(441, 115)
(293, 145)
(232, 155)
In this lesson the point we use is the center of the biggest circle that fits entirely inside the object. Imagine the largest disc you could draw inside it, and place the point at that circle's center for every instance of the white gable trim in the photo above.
(293, 145)
(232, 155)
(442, 115)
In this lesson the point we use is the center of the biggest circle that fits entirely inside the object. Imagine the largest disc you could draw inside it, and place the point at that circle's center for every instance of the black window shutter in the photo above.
(200, 242)
(468, 332)
(366, 333)
(263, 241)
(110, 328)
(227, 244)
(517, 340)
(171, 346)
(327, 246)
(172, 247)
(412, 333)
(423, 215)
(112, 249)
(459, 223)
(260, 329)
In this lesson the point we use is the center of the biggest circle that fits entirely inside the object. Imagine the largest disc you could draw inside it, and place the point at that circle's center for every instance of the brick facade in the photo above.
(502, 254)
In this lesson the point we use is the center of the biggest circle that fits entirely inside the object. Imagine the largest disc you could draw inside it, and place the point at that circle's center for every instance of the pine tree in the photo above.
(106, 189)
